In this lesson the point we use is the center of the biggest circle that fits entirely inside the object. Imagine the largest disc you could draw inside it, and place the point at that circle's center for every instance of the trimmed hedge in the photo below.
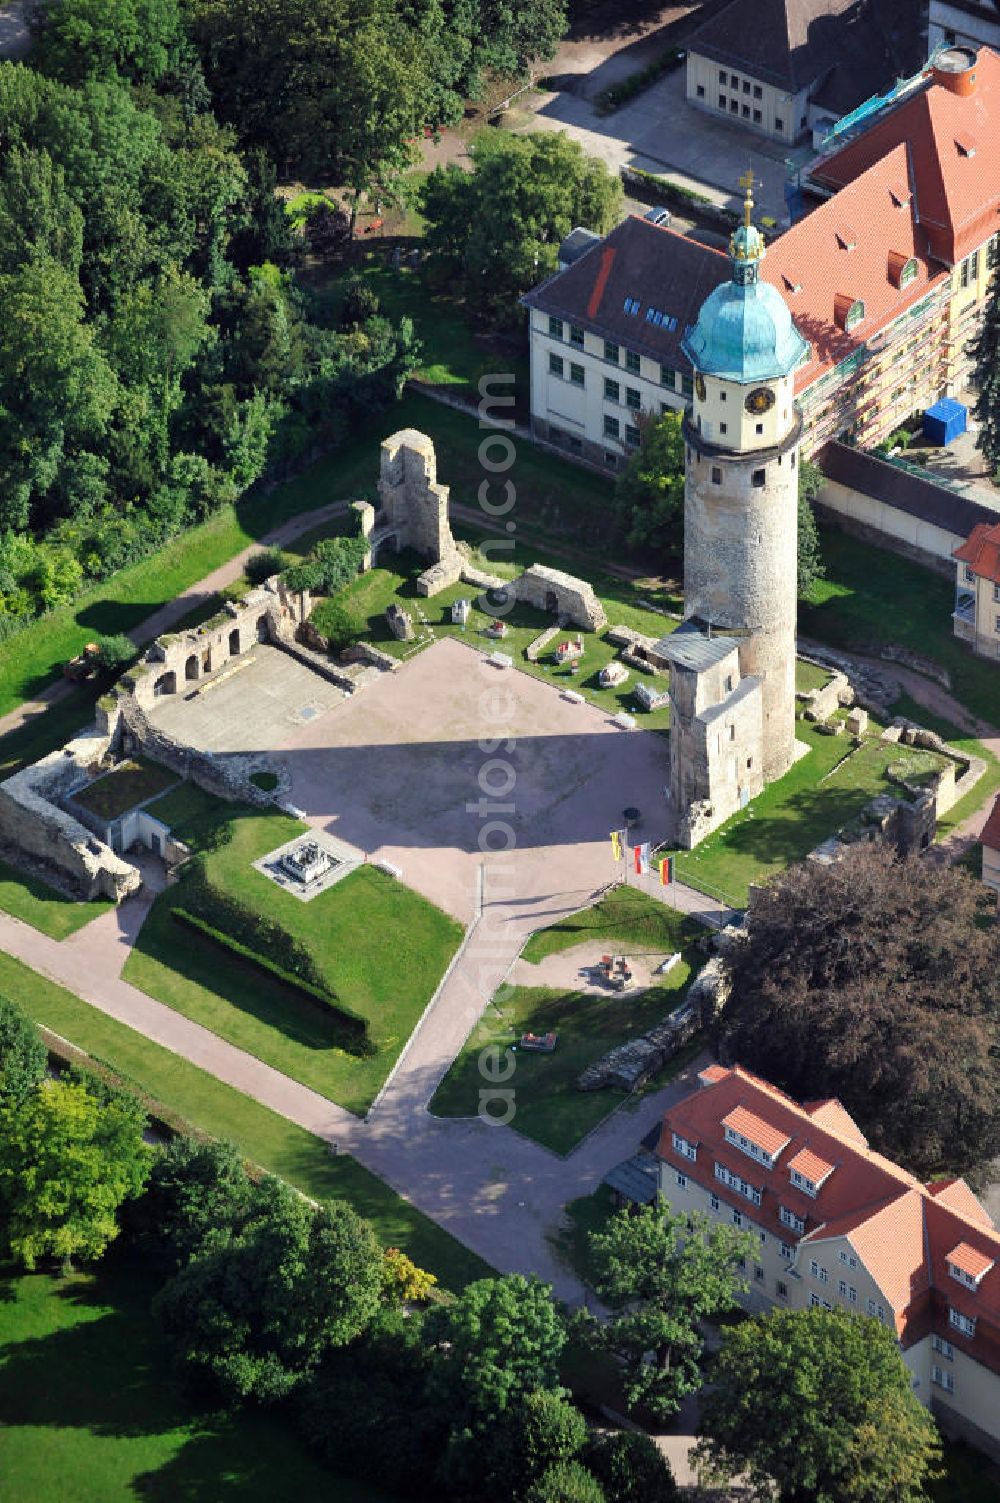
(262, 939)
(357, 1027)
(618, 94)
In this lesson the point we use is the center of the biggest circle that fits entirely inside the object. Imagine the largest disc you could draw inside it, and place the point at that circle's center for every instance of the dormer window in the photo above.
(789, 1218)
(900, 194)
(792, 280)
(632, 306)
(753, 1136)
(968, 1265)
(808, 1172)
(848, 311)
(966, 144)
(846, 238)
(902, 269)
(684, 1147)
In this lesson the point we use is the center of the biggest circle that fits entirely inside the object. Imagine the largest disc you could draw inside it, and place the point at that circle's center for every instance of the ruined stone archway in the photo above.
(234, 642)
(165, 684)
(191, 667)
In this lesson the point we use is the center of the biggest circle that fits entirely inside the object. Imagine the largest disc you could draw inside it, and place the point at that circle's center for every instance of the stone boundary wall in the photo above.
(32, 821)
(561, 595)
(226, 777)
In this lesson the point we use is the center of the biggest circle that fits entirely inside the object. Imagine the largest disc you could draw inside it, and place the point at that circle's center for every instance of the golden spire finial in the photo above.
(746, 181)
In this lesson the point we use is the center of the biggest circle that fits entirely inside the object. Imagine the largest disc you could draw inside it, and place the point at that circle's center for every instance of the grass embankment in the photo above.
(91, 1412)
(221, 1111)
(381, 947)
(792, 816)
(548, 1107)
(37, 904)
(871, 598)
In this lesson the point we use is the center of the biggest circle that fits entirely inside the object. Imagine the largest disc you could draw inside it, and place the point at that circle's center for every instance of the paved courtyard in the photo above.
(660, 132)
(414, 769)
(251, 704)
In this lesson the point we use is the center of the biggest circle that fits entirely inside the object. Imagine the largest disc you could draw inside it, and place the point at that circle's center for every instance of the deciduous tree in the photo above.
(816, 1406)
(499, 1340)
(495, 232)
(254, 1317)
(630, 1468)
(877, 980)
(649, 495)
(566, 1482)
(67, 1162)
(663, 1273)
(198, 1193)
(810, 557)
(985, 352)
(23, 1056)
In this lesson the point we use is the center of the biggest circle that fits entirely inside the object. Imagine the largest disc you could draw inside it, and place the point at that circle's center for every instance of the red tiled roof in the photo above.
(712, 1073)
(813, 255)
(981, 551)
(903, 1231)
(958, 193)
(990, 835)
(762, 1133)
(956, 1195)
(810, 1166)
(970, 1260)
(837, 1118)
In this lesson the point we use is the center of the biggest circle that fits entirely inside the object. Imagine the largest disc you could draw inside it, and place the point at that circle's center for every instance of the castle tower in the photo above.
(741, 494)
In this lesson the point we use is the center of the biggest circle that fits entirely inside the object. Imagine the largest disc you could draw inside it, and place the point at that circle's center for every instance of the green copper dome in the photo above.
(744, 331)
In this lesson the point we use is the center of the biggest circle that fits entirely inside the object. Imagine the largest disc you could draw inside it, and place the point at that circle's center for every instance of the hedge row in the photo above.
(613, 98)
(356, 1026)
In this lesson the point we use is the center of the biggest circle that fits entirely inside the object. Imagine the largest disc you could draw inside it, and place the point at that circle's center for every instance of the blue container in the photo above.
(945, 421)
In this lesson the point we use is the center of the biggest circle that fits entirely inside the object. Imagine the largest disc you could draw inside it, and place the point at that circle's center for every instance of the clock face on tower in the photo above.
(760, 400)
(699, 386)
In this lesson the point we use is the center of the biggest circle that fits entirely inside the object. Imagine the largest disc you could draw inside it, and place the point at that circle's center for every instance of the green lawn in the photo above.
(548, 1107)
(218, 1109)
(365, 601)
(792, 816)
(92, 1415)
(626, 918)
(871, 597)
(33, 902)
(388, 982)
(128, 784)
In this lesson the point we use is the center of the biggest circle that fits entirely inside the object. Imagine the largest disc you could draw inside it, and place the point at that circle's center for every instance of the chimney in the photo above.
(955, 69)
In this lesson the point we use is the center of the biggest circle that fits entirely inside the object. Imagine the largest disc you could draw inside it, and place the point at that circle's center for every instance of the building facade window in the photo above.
(722, 75)
(555, 365)
(758, 1273)
(687, 386)
(555, 327)
(848, 1258)
(612, 391)
(722, 101)
(612, 352)
(757, 478)
(632, 363)
(683, 1147)
(938, 1343)
(714, 1201)
(780, 1289)
(682, 1181)
(716, 475)
(576, 375)
(612, 427)
(576, 336)
(667, 376)
(758, 92)
(757, 117)
(700, 90)
(785, 1250)
(817, 1299)
(632, 398)
(789, 1218)
(959, 1322)
(632, 437)
(943, 1378)
(779, 124)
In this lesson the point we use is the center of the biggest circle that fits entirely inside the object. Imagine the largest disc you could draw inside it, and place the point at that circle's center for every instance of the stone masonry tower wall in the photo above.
(740, 567)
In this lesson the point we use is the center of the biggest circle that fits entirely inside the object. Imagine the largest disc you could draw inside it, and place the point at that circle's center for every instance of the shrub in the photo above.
(612, 99)
(338, 626)
(260, 566)
(360, 303)
(23, 1056)
(115, 653)
(327, 227)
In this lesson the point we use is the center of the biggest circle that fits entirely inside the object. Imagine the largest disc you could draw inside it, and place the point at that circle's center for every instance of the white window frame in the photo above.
(685, 1148)
(788, 1218)
(964, 1323)
(942, 1346)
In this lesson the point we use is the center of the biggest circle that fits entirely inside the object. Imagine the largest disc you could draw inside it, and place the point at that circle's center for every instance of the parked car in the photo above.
(657, 215)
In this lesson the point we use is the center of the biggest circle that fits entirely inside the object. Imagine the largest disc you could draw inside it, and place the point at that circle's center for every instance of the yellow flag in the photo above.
(616, 845)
